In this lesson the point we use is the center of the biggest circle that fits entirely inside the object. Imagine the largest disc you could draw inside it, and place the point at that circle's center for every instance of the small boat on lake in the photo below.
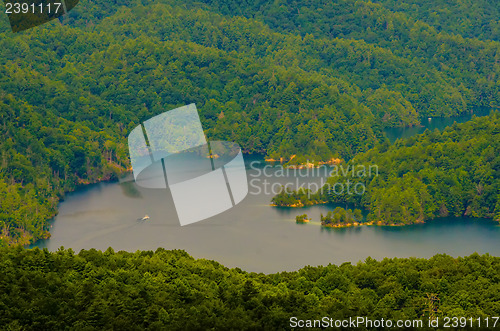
(146, 217)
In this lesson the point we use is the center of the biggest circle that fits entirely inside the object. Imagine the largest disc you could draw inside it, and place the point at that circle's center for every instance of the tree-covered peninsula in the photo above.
(451, 173)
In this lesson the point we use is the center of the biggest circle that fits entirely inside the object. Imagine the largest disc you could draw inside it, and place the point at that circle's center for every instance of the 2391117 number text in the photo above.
(32, 8)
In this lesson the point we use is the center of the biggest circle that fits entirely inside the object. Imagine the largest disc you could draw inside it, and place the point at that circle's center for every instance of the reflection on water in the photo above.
(129, 189)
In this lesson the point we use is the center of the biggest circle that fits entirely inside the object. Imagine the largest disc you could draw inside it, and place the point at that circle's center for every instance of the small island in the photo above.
(341, 218)
(301, 219)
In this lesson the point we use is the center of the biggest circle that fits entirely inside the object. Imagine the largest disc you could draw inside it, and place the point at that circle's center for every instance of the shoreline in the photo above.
(304, 165)
(300, 205)
(26, 238)
(371, 223)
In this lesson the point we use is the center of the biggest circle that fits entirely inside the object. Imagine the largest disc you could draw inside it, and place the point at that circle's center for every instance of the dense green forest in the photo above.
(447, 68)
(162, 290)
(319, 80)
(469, 18)
(455, 172)
(42, 157)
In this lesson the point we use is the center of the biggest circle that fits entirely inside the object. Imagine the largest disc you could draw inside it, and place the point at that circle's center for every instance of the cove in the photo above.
(433, 123)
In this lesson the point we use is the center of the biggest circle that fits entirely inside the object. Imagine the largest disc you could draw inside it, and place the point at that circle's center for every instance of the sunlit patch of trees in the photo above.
(341, 217)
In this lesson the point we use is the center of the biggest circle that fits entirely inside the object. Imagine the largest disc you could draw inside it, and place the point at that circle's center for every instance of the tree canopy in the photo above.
(95, 290)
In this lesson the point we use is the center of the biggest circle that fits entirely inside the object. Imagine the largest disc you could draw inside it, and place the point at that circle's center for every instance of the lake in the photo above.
(253, 235)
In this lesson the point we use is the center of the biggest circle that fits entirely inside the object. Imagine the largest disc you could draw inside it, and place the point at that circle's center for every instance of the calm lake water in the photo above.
(253, 235)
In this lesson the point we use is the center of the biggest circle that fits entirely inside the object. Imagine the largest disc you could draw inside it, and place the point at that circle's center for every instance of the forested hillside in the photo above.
(453, 71)
(170, 290)
(469, 18)
(42, 157)
(454, 172)
(318, 81)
